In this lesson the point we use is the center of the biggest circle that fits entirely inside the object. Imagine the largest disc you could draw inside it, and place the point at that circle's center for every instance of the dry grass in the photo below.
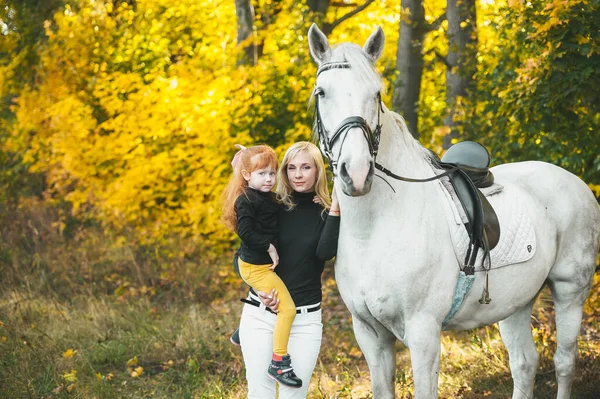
(91, 347)
(85, 316)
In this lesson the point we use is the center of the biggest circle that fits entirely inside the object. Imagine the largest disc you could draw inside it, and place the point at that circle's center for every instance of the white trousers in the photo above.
(256, 337)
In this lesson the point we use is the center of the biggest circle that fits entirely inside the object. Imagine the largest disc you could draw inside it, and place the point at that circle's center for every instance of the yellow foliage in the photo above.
(70, 376)
(129, 116)
(132, 362)
(69, 353)
(135, 110)
(137, 372)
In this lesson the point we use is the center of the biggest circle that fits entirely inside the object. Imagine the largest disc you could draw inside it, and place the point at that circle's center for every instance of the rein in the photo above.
(413, 180)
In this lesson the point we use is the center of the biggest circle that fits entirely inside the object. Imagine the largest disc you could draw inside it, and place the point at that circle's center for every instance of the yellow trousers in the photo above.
(261, 278)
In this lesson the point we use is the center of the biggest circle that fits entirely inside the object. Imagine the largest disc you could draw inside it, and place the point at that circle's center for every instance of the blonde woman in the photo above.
(308, 232)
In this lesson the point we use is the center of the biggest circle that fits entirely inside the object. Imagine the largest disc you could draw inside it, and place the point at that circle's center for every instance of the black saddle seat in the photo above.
(473, 161)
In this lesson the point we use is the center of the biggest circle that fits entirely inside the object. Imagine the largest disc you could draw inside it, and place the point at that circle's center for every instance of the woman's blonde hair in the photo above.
(251, 159)
(284, 188)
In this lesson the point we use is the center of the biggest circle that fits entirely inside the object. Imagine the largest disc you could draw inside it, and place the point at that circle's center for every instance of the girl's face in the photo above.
(302, 173)
(261, 179)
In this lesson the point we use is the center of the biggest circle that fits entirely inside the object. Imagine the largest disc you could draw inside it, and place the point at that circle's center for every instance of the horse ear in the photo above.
(318, 44)
(374, 44)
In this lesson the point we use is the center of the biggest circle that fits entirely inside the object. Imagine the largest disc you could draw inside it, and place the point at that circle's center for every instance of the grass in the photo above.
(83, 315)
(104, 347)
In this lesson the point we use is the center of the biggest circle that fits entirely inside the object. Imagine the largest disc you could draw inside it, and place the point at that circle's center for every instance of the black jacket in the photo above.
(257, 214)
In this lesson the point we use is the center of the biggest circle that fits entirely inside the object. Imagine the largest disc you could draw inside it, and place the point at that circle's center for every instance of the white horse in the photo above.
(396, 267)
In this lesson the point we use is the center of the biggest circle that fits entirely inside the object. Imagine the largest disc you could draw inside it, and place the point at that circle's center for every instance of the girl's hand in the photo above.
(317, 200)
(272, 251)
(269, 300)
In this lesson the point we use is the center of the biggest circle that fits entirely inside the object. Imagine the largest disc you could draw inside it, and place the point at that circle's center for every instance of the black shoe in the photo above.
(282, 371)
(235, 337)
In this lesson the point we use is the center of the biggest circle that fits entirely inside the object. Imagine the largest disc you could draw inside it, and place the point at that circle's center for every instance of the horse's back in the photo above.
(553, 196)
(551, 185)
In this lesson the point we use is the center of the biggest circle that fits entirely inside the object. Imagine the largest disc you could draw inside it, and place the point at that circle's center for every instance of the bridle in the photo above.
(372, 136)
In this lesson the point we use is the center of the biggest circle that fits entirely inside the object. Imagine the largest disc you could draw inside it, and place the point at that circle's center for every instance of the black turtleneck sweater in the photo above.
(307, 238)
(257, 214)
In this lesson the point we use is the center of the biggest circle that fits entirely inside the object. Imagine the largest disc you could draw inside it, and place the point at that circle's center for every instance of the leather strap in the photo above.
(298, 311)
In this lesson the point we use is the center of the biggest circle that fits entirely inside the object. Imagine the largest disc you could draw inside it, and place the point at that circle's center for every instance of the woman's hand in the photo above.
(270, 300)
(335, 205)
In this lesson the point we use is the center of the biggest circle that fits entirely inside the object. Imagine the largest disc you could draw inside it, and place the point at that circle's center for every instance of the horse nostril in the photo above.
(344, 175)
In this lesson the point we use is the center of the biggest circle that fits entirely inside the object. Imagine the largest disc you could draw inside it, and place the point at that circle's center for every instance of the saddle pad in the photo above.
(517, 235)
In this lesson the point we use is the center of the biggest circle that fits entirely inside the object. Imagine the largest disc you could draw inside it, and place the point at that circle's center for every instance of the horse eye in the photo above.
(319, 92)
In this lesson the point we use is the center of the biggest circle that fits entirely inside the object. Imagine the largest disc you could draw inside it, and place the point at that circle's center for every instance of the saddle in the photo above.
(473, 161)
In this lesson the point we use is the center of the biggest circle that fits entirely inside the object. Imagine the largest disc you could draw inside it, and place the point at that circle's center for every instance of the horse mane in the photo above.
(410, 142)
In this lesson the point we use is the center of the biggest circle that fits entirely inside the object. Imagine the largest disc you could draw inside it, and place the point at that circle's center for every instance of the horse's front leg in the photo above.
(423, 341)
(377, 344)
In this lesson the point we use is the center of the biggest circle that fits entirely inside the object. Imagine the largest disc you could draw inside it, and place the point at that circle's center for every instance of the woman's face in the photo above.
(302, 173)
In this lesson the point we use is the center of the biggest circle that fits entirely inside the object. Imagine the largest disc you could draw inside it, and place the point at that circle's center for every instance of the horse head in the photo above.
(348, 107)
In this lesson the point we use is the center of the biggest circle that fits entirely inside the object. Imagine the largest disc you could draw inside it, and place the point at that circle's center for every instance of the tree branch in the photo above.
(436, 24)
(444, 60)
(440, 57)
(328, 28)
(341, 4)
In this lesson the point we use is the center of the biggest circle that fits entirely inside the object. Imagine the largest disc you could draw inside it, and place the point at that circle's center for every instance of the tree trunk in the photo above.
(245, 23)
(409, 61)
(461, 60)
(318, 6)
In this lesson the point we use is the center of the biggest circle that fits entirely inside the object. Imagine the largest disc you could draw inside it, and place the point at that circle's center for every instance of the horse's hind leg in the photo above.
(378, 348)
(523, 357)
(568, 297)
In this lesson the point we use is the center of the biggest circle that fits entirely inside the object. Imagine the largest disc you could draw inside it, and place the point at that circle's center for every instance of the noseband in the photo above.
(351, 122)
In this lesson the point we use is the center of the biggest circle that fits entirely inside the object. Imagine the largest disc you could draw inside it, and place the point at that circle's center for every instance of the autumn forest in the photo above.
(118, 120)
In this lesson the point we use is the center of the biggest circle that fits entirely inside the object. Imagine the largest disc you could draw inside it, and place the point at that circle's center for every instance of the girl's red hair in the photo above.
(251, 159)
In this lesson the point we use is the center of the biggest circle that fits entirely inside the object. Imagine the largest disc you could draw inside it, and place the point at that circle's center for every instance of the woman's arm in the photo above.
(327, 247)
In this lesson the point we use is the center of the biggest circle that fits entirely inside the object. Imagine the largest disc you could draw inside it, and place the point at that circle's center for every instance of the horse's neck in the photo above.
(400, 152)
(403, 155)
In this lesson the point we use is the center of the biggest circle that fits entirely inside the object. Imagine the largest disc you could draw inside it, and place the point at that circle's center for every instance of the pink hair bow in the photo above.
(238, 155)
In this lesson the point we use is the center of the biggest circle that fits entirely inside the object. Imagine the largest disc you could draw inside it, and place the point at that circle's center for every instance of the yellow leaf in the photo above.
(70, 377)
(69, 353)
(132, 362)
(137, 372)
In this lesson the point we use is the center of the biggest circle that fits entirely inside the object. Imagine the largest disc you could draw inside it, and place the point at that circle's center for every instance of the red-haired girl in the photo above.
(251, 210)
